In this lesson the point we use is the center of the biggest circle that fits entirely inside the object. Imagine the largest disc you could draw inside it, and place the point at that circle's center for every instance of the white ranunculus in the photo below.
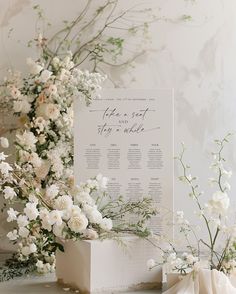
(45, 75)
(34, 68)
(219, 203)
(64, 202)
(4, 142)
(9, 193)
(12, 215)
(22, 220)
(23, 232)
(55, 217)
(93, 214)
(75, 210)
(106, 224)
(84, 198)
(78, 223)
(58, 230)
(52, 191)
(12, 235)
(31, 211)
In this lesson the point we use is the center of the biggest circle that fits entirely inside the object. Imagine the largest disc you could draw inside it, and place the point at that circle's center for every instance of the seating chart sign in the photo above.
(127, 135)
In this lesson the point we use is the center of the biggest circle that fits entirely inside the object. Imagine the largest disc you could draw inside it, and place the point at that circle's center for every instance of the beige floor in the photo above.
(41, 285)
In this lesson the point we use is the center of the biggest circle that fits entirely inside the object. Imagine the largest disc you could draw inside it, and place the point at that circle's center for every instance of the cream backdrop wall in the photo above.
(197, 58)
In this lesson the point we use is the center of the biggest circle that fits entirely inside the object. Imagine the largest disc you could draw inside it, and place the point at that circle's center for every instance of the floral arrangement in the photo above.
(218, 249)
(52, 206)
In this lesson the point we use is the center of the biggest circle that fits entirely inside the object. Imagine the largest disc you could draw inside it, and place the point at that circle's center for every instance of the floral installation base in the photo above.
(103, 266)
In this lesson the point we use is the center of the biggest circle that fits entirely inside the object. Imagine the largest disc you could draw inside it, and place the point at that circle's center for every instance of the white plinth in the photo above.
(105, 266)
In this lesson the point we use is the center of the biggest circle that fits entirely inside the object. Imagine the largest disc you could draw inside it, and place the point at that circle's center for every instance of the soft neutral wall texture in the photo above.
(197, 58)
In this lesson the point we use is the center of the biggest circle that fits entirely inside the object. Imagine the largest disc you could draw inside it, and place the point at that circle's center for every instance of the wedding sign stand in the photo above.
(126, 135)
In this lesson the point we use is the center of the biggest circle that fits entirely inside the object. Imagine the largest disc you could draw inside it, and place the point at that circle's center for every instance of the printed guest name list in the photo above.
(127, 135)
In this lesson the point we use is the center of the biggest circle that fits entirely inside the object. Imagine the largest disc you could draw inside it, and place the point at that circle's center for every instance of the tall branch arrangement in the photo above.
(41, 179)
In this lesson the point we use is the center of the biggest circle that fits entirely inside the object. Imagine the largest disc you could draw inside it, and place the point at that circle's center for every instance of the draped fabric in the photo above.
(203, 281)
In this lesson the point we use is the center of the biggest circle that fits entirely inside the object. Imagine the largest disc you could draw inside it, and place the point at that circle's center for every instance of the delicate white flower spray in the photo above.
(218, 250)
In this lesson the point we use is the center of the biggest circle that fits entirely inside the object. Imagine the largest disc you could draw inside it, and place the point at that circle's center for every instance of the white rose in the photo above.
(58, 230)
(55, 217)
(4, 142)
(93, 215)
(63, 202)
(52, 191)
(78, 223)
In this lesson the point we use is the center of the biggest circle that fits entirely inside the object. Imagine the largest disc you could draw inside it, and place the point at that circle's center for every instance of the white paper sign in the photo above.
(127, 135)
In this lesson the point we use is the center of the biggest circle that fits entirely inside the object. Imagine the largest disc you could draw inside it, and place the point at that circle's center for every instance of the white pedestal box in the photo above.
(104, 266)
